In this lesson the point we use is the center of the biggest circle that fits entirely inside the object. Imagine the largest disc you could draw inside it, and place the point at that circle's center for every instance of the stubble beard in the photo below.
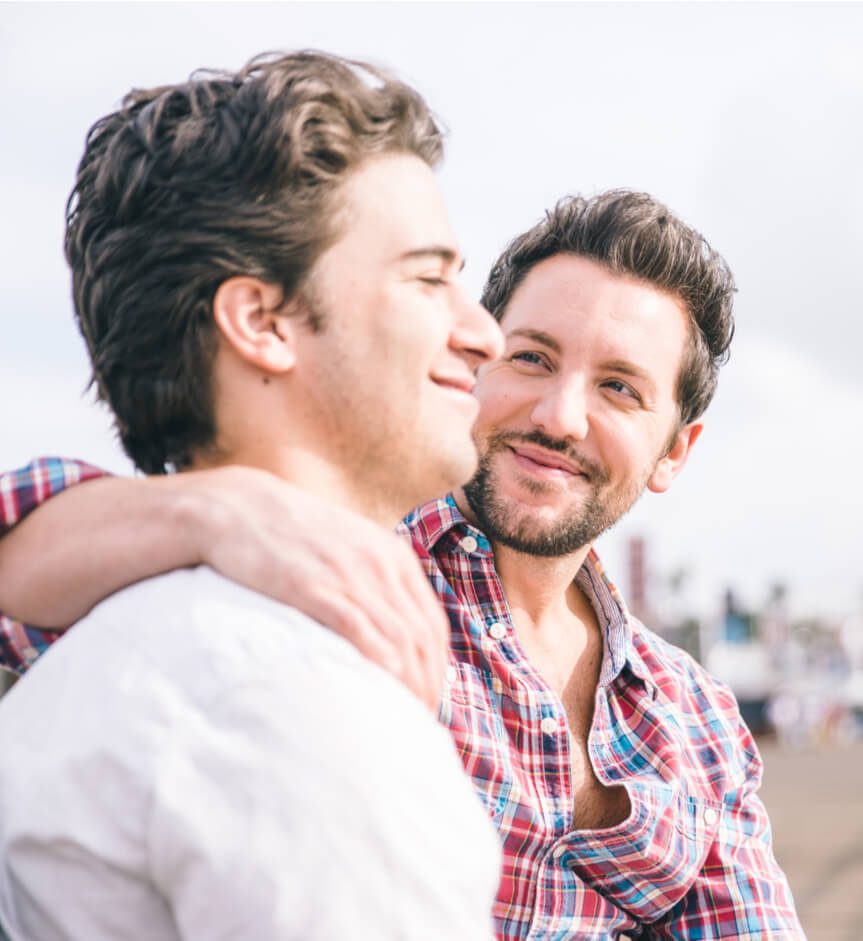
(519, 530)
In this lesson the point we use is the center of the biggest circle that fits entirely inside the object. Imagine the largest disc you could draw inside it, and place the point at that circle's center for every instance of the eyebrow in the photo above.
(538, 337)
(627, 369)
(449, 255)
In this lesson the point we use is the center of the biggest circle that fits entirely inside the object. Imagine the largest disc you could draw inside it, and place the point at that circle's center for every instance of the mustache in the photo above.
(594, 472)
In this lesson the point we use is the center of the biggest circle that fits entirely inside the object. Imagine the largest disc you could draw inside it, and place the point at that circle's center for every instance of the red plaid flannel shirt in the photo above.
(694, 858)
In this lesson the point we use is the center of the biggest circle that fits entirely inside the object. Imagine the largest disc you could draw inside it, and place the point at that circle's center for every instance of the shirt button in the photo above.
(497, 630)
(711, 816)
(549, 725)
(469, 544)
(451, 674)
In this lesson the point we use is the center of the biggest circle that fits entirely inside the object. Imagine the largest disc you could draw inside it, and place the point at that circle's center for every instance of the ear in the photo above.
(669, 466)
(254, 320)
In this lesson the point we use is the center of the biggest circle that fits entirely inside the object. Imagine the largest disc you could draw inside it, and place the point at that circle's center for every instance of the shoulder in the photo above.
(207, 635)
(198, 613)
(679, 677)
(176, 645)
(189, 662)
(190, 651)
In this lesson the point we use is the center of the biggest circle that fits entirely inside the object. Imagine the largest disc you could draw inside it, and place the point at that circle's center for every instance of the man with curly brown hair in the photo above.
(265, 276)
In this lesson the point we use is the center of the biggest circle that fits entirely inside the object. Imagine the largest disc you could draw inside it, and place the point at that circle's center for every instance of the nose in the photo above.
(476, 335)
(561, 410)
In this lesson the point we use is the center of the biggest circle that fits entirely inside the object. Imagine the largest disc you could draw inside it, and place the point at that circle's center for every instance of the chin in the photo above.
(457, 466)
(434, 473)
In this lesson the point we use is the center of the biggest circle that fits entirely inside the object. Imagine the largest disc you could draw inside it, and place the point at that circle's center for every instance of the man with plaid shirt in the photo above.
(619, 774)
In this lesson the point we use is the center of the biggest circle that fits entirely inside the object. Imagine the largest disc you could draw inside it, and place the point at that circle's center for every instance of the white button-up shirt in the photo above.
(196, 761)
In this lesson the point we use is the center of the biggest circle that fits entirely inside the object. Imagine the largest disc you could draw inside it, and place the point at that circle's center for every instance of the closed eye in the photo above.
(434, 282)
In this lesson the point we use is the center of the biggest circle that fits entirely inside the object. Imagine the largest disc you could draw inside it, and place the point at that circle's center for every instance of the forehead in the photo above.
(393, 204)
(589, 310)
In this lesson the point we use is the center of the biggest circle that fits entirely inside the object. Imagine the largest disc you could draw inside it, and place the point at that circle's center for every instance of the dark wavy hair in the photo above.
(187, 185)
(632, 233)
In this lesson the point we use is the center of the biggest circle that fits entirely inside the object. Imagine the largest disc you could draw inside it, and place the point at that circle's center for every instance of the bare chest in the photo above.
(596, 806)
(575, 679)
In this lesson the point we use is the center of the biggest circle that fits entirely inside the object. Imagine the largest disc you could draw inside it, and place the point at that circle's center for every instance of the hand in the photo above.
(339, 568)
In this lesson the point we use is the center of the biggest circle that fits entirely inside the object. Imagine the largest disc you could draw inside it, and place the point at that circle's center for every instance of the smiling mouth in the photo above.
(545, 463)
(459, 383)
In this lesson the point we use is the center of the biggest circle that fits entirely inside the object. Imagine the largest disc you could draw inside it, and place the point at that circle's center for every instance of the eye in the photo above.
(528, 357)
(621, 388)
(434, 282)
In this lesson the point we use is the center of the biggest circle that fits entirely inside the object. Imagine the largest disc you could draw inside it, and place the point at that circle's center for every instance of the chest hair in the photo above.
(568, 656)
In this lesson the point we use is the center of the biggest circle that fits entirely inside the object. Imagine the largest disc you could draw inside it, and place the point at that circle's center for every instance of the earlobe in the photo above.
(255, 323)
(669, 466)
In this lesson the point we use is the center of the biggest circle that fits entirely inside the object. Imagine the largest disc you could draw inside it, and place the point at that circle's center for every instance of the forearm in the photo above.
(336, 566)
(91, 540)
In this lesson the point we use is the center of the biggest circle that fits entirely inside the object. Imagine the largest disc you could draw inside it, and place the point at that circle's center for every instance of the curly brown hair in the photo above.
(187, 185)
(633, 233)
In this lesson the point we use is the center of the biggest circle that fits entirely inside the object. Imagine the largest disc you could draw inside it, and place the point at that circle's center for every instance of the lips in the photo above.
(530, 454)
(461, 383)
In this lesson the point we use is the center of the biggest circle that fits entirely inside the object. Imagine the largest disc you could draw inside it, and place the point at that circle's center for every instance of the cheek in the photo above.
(491, 417)
(620, 445)
(498, 399)
(425, 347)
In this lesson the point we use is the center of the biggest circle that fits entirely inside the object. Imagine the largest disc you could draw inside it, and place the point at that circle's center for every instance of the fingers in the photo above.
(381, 633)
(336, 566)
(432, 630)
(376, 597)
(420, 626)
(400, 604)
(382, 582)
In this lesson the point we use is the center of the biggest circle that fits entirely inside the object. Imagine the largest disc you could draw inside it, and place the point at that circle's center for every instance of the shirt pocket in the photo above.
(650, 861)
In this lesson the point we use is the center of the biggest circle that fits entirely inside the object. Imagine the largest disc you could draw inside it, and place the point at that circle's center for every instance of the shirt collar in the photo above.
(429, 523)
(619, 625)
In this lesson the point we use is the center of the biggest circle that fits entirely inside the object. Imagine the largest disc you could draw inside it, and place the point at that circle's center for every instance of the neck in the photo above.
(308, 471)
(540, 588)
(271, 426)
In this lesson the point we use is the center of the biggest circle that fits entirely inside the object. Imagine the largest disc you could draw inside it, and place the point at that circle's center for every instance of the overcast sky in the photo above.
(745, 118)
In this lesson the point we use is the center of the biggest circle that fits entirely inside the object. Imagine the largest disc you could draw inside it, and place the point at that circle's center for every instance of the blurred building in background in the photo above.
(800, 679)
